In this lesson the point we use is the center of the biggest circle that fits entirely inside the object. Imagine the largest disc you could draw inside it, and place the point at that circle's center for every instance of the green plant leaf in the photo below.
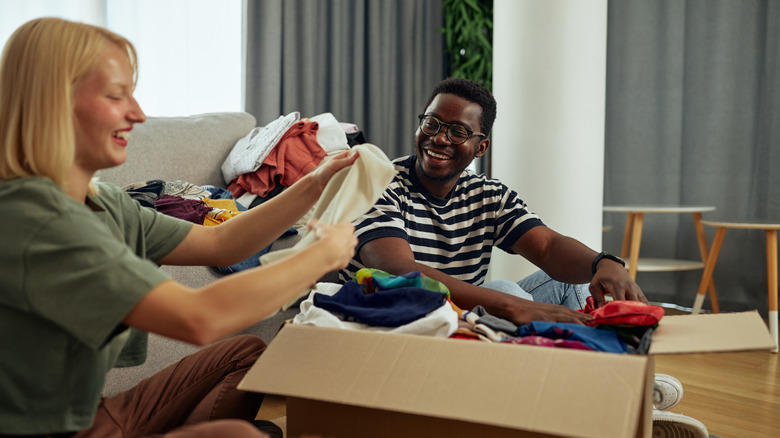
(468, 27)
(484, 42)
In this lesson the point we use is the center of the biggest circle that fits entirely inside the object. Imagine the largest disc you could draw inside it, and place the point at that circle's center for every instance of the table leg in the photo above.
(709, 267)
(771, 266)
(627, 236)
(702, 237)
(636, 240)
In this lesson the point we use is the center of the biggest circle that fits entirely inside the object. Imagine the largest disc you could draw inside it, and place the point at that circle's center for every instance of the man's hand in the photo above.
(613, 279)
(525, 311)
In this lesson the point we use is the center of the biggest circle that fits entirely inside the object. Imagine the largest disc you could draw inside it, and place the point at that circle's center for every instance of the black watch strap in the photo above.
(605, 255)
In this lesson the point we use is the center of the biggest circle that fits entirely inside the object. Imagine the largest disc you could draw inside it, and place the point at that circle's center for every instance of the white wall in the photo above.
(549, 79)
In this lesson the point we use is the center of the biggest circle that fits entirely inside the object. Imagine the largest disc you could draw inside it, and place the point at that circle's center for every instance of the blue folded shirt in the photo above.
(383, 308)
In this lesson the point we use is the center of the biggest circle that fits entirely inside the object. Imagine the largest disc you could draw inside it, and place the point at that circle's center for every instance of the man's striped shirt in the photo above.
(454, 235)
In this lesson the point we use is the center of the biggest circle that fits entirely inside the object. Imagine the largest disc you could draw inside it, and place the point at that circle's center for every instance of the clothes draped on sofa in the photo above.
(206, 205)
(250, 151)
(190, 210)
(260, 161)
(295, 155)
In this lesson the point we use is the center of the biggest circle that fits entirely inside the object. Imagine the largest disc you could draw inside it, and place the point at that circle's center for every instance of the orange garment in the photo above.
(296, 154)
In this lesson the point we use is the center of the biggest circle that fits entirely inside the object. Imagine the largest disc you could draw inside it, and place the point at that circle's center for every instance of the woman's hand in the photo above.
(338, 240)
(330, 165)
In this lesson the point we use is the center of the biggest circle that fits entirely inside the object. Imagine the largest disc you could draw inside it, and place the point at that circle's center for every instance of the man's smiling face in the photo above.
(439, 162)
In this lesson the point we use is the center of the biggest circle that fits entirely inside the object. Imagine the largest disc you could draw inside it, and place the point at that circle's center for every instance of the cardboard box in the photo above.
(342, 383)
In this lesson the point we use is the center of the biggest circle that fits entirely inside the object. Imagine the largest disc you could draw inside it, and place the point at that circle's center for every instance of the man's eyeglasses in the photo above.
(457, 134)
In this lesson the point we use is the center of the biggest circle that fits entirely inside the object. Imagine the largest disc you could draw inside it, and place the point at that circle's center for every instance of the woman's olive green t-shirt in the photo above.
(69, 274)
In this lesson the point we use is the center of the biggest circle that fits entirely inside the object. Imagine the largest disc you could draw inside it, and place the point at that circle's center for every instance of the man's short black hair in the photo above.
(470, 91)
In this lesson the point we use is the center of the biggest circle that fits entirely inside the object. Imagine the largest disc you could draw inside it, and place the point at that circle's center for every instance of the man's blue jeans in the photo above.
(541, 288)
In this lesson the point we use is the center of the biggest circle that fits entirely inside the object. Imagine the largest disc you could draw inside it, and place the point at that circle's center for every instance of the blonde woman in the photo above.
(78, 264)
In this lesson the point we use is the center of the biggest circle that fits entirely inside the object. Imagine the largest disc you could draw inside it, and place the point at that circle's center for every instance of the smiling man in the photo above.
(442, 219)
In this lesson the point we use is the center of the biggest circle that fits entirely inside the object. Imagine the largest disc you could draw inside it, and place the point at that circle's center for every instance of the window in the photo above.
(190, 51)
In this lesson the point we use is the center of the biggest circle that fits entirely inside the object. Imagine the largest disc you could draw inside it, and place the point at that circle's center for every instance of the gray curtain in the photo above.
(371, 63)
(693, 118)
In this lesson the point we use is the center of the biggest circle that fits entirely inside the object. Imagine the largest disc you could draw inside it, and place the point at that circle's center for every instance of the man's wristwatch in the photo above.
(605, 255)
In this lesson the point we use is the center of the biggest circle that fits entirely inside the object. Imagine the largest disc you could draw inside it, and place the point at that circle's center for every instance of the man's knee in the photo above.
(508, 287)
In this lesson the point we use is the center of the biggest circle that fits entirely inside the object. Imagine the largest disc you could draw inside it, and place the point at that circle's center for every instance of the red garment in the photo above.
(623, 313)
(296, 154)
(464, 334)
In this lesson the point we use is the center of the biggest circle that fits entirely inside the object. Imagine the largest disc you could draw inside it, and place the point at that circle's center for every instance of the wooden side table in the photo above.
(632, 238)
(771, 265)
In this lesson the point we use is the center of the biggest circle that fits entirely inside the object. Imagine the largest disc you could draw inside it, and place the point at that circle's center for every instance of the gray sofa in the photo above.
(190, 149)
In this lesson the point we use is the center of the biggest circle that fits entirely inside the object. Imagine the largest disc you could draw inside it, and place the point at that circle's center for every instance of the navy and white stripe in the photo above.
(454, 235)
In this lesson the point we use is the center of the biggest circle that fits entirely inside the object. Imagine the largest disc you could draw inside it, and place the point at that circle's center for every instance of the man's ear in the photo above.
(483, 147)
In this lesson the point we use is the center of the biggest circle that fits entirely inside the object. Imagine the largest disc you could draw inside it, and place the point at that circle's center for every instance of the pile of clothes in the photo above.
(205, 205)
(617, 327)
(377, 301)
(275, 156)
(413, 303)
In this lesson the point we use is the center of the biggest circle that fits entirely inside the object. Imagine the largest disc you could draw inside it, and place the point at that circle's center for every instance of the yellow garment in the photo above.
(222, 210)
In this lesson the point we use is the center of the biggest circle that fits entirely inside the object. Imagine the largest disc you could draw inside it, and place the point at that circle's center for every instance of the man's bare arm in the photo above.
(570, 261)
(394, 255)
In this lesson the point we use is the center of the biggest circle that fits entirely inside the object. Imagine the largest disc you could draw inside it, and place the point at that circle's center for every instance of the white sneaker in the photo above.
(667, 392)
(671, 425)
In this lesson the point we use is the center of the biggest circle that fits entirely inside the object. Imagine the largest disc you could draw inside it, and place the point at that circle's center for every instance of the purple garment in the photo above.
(547, 342)
(188, 209)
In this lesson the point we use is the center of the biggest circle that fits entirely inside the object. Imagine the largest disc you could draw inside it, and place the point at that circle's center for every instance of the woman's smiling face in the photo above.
(104, 111)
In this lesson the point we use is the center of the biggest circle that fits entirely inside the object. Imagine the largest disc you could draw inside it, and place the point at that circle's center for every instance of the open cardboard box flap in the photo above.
(545, 391)
(709, 333)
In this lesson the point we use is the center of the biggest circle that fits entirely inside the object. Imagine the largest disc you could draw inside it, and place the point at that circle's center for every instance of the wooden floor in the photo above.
(735, 395)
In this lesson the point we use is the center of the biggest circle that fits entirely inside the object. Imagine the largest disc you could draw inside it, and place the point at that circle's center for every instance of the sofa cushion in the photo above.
(190, 149)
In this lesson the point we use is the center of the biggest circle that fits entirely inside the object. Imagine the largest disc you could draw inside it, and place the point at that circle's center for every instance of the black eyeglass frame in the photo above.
(447, 132)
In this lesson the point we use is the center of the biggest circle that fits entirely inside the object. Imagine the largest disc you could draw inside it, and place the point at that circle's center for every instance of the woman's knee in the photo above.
(239, 348)
(247, 342)
(248, 346)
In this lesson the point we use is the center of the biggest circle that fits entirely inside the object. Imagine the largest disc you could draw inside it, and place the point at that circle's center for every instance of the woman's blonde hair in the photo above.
(41, 63)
